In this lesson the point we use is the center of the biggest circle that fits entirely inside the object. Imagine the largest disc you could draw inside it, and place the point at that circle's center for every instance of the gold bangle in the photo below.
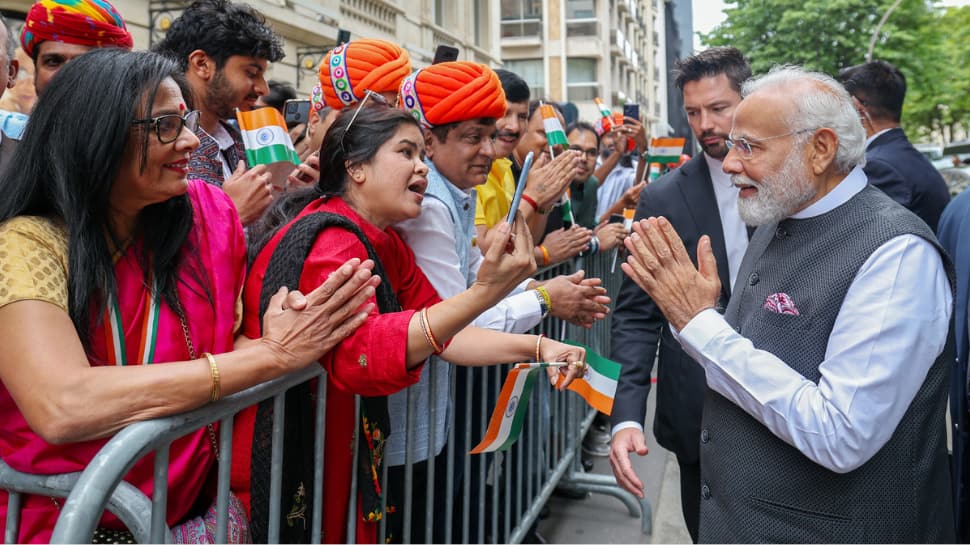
(545, 255)
(436, 347)
(216, 392)
(538, 345)
(545, 297)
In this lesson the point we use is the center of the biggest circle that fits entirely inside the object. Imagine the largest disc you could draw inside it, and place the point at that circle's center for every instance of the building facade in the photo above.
(311, 27)
(577, 50)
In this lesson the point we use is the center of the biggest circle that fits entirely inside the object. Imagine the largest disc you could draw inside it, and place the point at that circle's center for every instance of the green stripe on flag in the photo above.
(521, 409)
(271, 154)
(557, 138)
(606, 367)
(663, 159)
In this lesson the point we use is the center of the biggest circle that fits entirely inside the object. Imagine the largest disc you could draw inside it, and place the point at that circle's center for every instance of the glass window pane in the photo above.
(580, 9)
(531, 71)
(580, 70)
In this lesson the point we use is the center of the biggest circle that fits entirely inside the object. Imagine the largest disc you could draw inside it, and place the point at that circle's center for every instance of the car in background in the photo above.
(935, 154)
(957, 171)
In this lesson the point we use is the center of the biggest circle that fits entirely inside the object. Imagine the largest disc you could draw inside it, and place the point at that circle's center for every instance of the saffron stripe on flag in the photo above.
(555, 134)
(265, 137)
(505, 425)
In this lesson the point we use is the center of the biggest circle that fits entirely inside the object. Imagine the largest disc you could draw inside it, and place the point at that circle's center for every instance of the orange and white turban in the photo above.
(452, 91)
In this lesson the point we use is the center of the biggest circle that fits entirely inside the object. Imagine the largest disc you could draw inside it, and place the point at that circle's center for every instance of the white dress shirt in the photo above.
(735, 236)
(891, 328)
(432, 237)
(734, 229)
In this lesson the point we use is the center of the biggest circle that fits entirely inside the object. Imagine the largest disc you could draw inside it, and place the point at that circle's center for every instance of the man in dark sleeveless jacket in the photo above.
(827, 376)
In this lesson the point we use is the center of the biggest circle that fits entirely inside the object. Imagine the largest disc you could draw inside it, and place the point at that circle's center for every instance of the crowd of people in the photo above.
(787, 280)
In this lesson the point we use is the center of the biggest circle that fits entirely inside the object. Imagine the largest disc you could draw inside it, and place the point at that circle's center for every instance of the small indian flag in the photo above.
(505, 426)
(603, 108)
(267, 141)
(665, 150)
(598, 385)
(554, 131)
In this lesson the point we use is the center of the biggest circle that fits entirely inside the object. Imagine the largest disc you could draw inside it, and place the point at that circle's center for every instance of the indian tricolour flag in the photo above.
(505, 426)
(554, 131)
(666, 150)
(267, 141)
(598, 385)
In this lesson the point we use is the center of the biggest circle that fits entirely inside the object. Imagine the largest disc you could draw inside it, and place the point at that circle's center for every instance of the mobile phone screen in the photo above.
(520, 187)
(445, 53)
(631, 109)
(296, 111)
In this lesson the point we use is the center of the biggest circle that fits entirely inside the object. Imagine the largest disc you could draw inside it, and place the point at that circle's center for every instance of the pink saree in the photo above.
(220, 247)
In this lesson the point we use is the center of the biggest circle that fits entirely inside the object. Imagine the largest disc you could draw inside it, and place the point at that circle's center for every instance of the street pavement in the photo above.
(604, 519)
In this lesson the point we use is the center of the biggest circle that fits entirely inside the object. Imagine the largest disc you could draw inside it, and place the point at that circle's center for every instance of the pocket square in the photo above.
(781, 303)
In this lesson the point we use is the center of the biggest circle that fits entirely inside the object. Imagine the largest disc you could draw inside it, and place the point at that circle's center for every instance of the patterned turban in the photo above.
(452, 91)
(316, 98)
(94, 23)
(352, 68)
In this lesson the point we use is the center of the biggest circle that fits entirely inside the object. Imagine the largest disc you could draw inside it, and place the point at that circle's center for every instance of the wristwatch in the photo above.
(543, 308)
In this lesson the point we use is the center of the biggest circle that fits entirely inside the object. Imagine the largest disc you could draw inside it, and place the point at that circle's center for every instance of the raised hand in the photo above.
(578, 300)
(563, 244)
(251, 191)
(659, 264)
(501, 269)
(301, 329)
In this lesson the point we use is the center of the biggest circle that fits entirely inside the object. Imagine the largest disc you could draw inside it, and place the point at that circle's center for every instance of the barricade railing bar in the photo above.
(487, 498)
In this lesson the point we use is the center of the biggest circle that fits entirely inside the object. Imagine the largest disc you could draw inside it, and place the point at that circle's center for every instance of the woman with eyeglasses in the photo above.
(373, 176)
(110, 260)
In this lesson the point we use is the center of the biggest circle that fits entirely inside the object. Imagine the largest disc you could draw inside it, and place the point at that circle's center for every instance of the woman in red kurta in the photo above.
(119, 284)
(378, 181)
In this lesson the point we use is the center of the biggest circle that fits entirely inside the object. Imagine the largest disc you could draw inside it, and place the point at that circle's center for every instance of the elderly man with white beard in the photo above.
(827, 374)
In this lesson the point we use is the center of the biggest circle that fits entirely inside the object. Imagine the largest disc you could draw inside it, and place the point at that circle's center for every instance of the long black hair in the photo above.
(341, 148)
(71, 154)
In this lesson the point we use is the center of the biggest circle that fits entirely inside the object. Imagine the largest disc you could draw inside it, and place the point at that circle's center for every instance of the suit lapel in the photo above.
(698, 191)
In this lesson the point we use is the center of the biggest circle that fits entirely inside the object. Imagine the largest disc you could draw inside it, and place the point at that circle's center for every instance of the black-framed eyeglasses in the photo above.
(168, 127)
(743, 144)
(589, 153)
(378, 98)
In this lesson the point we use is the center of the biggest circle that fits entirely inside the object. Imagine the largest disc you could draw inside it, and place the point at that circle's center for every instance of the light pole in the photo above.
(875, 33)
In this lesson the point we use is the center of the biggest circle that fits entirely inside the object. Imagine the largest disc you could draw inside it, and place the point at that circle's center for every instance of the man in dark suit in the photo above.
(892, 163)
(954, 235)
(698, 198)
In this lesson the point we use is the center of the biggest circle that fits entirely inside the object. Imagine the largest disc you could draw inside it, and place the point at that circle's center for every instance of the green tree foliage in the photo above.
(927, 43)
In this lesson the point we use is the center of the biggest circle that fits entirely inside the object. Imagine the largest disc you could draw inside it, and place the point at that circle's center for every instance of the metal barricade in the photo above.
(488, 498)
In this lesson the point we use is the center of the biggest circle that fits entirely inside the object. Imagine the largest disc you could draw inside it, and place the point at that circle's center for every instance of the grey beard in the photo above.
(779, 195)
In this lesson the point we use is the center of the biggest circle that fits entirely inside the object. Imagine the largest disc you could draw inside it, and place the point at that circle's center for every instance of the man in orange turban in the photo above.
(56, 31)
(351, 69)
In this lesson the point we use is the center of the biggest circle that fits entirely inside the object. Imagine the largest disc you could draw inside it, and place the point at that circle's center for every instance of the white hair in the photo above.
(826, 104)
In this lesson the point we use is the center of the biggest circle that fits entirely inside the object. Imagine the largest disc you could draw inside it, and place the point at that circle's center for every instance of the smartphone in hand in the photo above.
(296, 111)
(445, 53)
(631, 109)
(520, 187)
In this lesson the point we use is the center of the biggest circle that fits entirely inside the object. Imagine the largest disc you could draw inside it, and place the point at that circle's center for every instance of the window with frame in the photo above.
(532, 72)
(581, 81)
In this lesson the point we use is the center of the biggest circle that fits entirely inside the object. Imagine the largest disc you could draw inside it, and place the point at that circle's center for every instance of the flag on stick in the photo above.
(505, 425)
(267, 142)
(598, 385)
(605, 122)
(555, 134)
(665, 150)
